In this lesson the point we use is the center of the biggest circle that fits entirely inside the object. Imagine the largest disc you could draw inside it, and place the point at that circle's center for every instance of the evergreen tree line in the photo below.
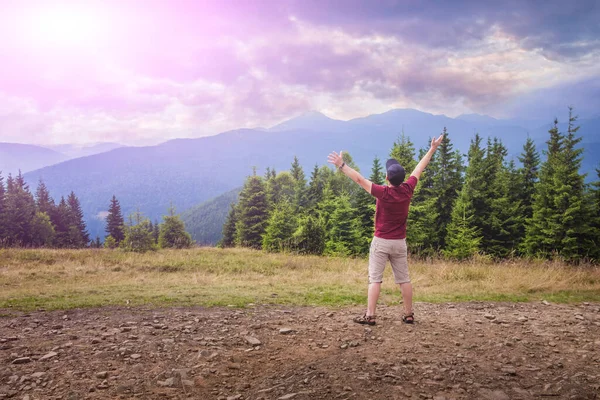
(35, 220)
(482, 204)
(140, 234)
(28, 220)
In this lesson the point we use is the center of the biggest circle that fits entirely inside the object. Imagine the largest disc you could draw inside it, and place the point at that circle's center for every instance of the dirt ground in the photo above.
(454, 351)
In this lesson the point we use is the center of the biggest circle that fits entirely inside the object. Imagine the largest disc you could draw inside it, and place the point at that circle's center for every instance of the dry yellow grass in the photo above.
(52, 279)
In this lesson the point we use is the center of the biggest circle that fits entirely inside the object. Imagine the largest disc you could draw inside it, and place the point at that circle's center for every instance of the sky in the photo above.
(145, 71)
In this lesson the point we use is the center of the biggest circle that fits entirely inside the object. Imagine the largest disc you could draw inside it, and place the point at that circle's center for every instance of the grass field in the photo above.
(60, 279)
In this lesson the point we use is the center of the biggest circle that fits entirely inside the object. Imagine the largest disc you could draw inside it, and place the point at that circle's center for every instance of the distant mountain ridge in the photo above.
(26, 157)
(188, 172)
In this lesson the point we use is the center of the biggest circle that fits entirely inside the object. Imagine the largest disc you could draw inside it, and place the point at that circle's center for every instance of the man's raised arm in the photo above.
(427, 157)
(337, 160)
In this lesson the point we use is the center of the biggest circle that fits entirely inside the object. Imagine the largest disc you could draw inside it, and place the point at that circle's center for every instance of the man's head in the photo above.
(394, 172)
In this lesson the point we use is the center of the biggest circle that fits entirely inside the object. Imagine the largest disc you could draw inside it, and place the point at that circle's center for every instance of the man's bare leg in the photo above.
(373, 296)
(407, 294)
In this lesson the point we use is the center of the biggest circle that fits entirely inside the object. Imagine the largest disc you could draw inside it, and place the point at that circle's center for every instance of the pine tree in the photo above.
(300, 192)
(172, 232)
(115, 224)
(60, 220)
(342, 236)
(530, 160)
(377, 175)
(403, 151)
(281, 187)
(280, 228)
(156, 232)
(44, 202)
(252, 213)
(447, 183)
(20, 212)
(543, 230)
(570, 201)
(228, 239)
(314, 192)
(42, 230)
(310, 236)
(594, 198)
(110, 243)
(137, 236)
(421, 227)
(463, 237)
(78, 235)
(3, 216)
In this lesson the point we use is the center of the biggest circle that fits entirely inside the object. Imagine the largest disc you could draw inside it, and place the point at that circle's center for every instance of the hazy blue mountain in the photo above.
(205, 221)
(26, 157)
(188, 172)
(310, 121)
(76, 151)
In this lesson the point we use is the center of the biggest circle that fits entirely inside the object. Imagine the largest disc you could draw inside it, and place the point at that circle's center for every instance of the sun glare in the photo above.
(65, 26)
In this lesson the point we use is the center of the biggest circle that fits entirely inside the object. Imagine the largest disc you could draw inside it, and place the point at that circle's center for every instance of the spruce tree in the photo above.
(252, 213)
(228, 239)
(60, 220)
(3, 233)
(342, 238)
(570, 201)
(20, 212)
(377, 174)
(543, 230)
(421, 227)
(138, 237)
(403, 151)
(172, 232)
(463, 237)
(78, 235)
(447, 183)
(156, 232)
(281, 187)
(310, 236)
(280, 228)
(315, 188)
(530, 160)
(44, 202)
(42, 230)
(115, 224)
(300, 193)
(594, 195)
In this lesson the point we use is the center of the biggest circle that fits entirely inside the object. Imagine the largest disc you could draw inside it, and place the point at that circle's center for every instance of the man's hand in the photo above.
(436, 142)
(427, 157)
(336, 159)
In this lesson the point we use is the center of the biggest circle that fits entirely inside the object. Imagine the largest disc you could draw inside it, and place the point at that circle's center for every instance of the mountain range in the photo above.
(187, 172)
(15, 157)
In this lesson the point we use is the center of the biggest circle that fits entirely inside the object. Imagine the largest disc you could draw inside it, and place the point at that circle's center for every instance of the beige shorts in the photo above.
(383, 250)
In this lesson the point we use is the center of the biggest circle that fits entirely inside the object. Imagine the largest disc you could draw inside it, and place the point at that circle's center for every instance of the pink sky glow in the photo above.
(135, 71)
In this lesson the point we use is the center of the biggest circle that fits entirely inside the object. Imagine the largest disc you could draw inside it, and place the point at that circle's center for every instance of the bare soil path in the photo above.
(474, 350)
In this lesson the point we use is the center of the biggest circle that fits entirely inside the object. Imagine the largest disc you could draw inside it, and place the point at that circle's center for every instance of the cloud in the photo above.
(155, 70)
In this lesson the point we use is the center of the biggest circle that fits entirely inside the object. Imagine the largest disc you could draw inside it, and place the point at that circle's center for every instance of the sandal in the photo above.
(409, 318)
(365, 320)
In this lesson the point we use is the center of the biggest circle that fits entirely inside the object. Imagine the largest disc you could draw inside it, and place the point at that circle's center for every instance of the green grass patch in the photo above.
(63, 279)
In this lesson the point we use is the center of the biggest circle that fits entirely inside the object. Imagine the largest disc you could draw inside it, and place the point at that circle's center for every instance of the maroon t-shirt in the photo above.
(391, 211)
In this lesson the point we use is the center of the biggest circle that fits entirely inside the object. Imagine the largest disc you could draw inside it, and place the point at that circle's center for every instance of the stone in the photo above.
(287, 396)
(37, 375)
(544, 302)
(102, 375)
(22, 360)
(489, 316)
(235, 397)
(135, 356)
(251, 340)
(285, 331)
(488, 394)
